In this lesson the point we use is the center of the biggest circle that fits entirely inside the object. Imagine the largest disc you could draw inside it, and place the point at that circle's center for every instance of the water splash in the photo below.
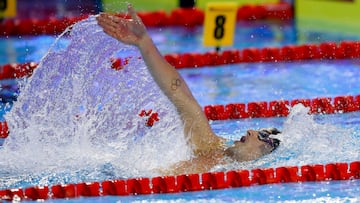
(305, 140)
(76, 120)
(78, 116)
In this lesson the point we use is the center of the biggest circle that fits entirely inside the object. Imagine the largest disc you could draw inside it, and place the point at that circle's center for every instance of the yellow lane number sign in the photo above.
(219, 24)
(7, 8)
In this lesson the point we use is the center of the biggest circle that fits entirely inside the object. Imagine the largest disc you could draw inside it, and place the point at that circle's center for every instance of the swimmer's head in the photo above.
(253, 145)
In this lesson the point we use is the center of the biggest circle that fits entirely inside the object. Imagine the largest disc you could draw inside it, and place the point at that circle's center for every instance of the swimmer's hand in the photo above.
(129, 31)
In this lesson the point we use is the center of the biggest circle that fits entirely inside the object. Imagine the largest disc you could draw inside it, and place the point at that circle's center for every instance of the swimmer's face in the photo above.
(251, 146)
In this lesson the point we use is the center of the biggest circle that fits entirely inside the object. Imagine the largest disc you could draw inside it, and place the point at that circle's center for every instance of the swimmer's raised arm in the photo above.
(133, 32)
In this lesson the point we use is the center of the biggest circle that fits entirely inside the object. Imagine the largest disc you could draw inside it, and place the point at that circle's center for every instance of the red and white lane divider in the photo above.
(290, 53)
(188, 182)
(323, 51)
(323, 105)
(4, 130)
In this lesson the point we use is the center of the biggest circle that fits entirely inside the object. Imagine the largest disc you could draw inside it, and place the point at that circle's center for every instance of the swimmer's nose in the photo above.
(250, 132)
(242, 139)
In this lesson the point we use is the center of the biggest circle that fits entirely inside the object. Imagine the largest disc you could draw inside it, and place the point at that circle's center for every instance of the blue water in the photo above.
(243, 83)
(305, 140)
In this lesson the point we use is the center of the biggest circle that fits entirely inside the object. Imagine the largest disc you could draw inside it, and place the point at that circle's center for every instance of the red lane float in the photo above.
(189, 182)
(63, 191)
(179, 17)
(188, 17)
(4, 130)
(287, 174)
(322, 51)
(238, 178)
(251, 12)
(17, 70)
(281, 11)
(152, 117)
(339, 104)
(312, 173)
(37, 193)
(114, 188)
(166, 184)
(49, 26)
(87, 189)
(213, 180)
(138, 186)
(155, 18)
(12, 194)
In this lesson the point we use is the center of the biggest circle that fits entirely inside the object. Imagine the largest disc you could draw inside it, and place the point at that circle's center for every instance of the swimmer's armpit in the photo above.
(175, 84)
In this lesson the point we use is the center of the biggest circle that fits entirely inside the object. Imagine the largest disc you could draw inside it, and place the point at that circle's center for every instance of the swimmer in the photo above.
(209, 149)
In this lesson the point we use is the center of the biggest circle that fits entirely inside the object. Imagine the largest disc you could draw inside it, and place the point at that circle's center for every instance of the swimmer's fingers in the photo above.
(128, 31)
(111, 33)
(120, 31)
(107, 26)
(112, 25)
(104, 21)
(109, 20)
(133, 14)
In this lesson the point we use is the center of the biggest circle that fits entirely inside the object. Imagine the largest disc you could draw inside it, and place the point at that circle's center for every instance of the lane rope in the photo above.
(289, 53)
(188, 182)
(280, 108)
(261, 109)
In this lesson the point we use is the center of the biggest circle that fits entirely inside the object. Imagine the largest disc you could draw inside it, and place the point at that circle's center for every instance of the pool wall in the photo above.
(187, 17)
(141, 5)
(328, 16)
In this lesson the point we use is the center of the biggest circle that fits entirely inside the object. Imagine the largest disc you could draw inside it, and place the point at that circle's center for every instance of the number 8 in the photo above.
(219, 29)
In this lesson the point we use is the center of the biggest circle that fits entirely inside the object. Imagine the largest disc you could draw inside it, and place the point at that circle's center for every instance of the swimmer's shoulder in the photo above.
(209, 145)
(201, 163)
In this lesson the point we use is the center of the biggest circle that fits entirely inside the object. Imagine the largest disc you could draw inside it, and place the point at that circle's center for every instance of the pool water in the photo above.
(76, 153)
(249, 82)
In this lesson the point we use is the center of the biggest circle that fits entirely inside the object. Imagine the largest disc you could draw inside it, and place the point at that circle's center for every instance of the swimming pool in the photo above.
(268, 85)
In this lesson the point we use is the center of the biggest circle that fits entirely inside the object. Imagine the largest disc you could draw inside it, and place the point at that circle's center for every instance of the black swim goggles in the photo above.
(264, 135)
